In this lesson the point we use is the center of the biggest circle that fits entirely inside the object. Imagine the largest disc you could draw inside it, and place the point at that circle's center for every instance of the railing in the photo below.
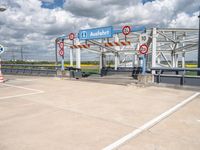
(131, 71)
(182, 76)
(27, 69)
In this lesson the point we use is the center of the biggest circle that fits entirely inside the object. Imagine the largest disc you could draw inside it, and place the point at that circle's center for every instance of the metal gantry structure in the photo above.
(167, 47)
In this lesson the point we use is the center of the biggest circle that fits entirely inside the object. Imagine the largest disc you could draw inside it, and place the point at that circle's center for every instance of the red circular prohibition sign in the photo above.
(61, 52)
(143, 49)
(71, 36)
(126, 30)
(61, 45)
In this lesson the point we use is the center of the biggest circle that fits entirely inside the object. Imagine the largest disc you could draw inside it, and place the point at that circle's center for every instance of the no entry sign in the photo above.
(126, 30)
(71, 36)
(143, 49)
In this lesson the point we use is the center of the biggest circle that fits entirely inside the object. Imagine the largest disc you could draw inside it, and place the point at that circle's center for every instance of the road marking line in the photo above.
(26, 79)
(21, 87)
(20, 95)
(21, 80)
(150, 124)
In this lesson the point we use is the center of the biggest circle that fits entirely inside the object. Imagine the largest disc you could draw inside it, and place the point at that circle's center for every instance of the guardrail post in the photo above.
(159, 76)
(183, 78)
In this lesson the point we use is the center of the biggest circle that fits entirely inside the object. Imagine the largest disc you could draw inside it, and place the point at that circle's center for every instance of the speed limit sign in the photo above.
(143, 49)
(126, 30)
(71, 36)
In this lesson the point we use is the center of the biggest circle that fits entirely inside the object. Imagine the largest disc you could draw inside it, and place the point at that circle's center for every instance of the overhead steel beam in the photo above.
(101, 45)
(173, 40)
(177, 29)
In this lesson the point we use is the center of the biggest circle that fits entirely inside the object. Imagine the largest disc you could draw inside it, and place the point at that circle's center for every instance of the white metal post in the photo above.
(116, 54)
(101, 61)
(176, 60)
(173, 55)
(183, 60)
(116, 61)
(183, 54)
(136, 58)
(78, 56)
(159, 54)
(71, 57)
(154, 42)
(173, 59)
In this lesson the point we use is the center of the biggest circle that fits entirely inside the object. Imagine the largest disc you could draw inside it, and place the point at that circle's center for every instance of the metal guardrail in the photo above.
(176, 76)
(27, 69)
(132, 71)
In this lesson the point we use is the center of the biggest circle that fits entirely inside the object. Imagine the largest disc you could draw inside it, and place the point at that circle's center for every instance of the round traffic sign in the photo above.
(1, 49)
(61, 45)
(61, 52)
(71, 36)
(143, 38)
(126, 30)
(143, 49)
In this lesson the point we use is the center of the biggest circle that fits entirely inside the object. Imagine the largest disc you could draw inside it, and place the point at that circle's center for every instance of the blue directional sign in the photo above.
(1, 49)
(97, 33)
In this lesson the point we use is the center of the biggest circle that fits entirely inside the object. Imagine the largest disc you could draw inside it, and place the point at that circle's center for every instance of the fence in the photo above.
(181, 76)
(26, 69)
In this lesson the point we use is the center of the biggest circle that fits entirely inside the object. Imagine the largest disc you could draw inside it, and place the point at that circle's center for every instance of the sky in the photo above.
(32, 25)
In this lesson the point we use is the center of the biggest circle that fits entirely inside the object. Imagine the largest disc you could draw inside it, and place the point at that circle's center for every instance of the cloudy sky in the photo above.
(33, 24)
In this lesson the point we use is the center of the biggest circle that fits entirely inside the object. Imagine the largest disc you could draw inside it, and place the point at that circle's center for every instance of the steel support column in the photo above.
(183, 54)
(116, 54)
(154, 42)
(78, 56)
(71, 57)
(56, 53)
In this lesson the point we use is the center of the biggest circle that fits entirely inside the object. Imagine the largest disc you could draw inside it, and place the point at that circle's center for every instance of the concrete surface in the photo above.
(52, 114)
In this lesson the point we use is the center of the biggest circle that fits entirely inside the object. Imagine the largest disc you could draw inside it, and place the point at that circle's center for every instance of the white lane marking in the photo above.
(150, 124)
(20, 95)
(21, 80)
(26, 79)
(35, 91)
(21, 87)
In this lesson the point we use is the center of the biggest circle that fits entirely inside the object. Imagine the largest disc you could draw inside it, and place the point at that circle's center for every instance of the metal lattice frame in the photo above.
(164, 44)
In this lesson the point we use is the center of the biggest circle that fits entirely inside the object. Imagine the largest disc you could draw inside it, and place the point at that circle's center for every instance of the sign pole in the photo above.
(144, 65)
(56, 55)
(62, 61)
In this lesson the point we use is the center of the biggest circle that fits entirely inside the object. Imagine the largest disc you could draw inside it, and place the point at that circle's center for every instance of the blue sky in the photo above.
(60, 3)
(55, 4)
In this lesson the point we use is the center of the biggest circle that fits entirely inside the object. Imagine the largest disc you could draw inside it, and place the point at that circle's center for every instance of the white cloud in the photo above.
(26, 23)
(185, 20)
